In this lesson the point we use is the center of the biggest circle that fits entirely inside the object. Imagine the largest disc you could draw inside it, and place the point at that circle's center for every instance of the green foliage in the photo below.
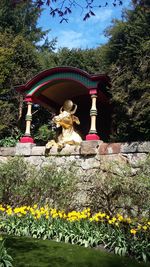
(42, 128)
(44, 134)
(57, 186)
(113, 189)
(122, 189)
(21, 19)
(5, 258)
(87, 60)
(126, 58)
(14, 175)
(8, 142)
(19, 60)
(18, 63)
(22, 183)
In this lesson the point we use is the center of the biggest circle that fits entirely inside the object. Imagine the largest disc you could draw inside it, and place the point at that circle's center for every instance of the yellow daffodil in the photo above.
(133, 231)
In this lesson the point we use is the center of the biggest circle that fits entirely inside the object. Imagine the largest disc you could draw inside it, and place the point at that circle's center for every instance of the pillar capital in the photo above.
(93, 91)
(28, 99)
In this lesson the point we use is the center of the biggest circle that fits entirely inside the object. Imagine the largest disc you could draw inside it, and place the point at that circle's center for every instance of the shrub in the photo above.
(112, 189)
(44, 133)
(16, 177)
(57, 186)
(8, 141)
(122, 189)
(21, 183)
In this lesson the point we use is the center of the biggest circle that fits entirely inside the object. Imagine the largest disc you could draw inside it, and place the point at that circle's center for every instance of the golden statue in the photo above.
(66, 120)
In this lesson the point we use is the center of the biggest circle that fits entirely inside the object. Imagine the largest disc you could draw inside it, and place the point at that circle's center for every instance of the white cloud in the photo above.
(101, 15)
(71, 39)
(87, 32)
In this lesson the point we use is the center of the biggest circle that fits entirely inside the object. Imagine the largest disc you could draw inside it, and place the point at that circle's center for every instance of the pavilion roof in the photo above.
(52, 86)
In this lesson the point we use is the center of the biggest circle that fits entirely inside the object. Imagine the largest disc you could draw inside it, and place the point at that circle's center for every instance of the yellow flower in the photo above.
(144, 227)
(128, 220)
(38, 216)
(133, 231)
(120, 218)
(1, 208)
(114, 219)
(139, 227)
(9, 211)
(54, 215)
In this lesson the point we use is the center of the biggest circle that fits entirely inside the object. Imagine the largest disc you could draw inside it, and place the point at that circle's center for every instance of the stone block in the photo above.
(129, 147)
(70, 150)
(125, 148)
(90, 147)
(53, 151)
(90, 163)
(107, 149)
(144, 147)
(37, 161)
(7, 151)
(38, 151)
(24, 149)
(135, 147)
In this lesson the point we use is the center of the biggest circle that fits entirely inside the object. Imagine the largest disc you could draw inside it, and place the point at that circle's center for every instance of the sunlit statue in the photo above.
(66, 120)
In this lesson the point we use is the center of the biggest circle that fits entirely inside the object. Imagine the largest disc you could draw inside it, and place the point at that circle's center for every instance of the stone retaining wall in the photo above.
(86, 148)
(88, 155)
(88, 158)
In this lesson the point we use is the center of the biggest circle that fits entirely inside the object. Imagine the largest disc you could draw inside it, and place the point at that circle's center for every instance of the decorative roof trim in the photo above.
(49, 72)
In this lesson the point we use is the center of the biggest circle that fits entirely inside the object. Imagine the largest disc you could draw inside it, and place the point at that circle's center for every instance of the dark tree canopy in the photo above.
(19, 58)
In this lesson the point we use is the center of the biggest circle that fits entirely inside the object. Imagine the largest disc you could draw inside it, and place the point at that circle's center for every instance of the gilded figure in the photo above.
(66, 119)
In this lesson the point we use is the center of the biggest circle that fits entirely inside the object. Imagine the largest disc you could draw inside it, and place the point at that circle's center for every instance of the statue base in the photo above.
(26, 139)
(90, 137)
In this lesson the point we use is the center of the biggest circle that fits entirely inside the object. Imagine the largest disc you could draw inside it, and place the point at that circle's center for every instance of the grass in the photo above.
(28, 252)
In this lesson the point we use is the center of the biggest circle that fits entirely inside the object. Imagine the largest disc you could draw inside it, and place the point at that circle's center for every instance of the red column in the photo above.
(92, 135)
(27, 137)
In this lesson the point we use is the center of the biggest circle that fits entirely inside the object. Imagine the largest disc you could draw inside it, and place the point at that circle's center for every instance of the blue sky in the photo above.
(78, 33)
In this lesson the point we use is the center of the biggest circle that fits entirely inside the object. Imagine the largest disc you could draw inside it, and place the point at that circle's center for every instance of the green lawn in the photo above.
(28, 252)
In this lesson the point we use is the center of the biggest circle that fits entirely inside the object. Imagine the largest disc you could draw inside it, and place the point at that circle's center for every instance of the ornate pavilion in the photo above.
(52, 87)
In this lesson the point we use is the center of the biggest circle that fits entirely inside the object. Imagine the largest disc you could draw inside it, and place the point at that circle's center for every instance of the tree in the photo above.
(21, 19)
(19, 58)
(127, 58)
(18, 63)
(86, 59)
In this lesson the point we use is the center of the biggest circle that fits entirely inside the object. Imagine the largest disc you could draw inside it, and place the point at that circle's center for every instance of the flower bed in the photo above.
(123, 235)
